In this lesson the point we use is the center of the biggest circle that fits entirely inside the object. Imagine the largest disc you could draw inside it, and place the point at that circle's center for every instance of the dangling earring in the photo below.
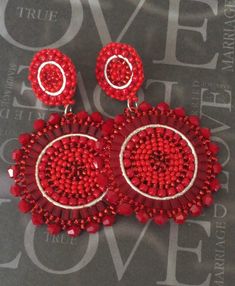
(160, 162)
(59, 173)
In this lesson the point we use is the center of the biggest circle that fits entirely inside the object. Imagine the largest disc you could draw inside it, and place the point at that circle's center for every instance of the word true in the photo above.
(37, 14)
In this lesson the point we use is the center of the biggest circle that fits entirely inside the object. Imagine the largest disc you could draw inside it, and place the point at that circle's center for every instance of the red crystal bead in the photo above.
(179, 111)
(73, 231)
(217, 168)
(24, 206)
(54, 229)
(142, 216)
(37, 219)
(38, 124)
(163, 106)
(215, 185)
(24, 138)
(160, 219)
(124, 209)
(194, 120)
(17, 155)
(206, 132)
(54, 118)
(96, 116)
(15, 190)
(195, 210)
(179, 218)
(92, 227)
(82, 115)
(108, 220)
(145, 106)
(207, 200)
(214, 148)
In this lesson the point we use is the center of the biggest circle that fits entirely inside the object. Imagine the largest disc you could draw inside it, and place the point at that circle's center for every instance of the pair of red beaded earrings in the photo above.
(75, 172)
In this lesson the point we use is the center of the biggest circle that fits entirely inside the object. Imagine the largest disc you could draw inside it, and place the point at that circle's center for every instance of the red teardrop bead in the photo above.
(179, 218)
(145, 106)
(179, 111)
(217, 168)
(194, 120)
(82, 115)
(163, 106)
(214, 148)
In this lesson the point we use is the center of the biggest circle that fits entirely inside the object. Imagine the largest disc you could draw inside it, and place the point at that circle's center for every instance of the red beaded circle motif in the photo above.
(60, 175)
(119, 71)
(162, 164)
(53, 77)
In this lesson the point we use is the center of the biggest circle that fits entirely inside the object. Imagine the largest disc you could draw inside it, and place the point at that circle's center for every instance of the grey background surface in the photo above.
(187, 47)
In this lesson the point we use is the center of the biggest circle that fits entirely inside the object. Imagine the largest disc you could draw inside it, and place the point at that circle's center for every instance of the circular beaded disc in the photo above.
(60, 176)
(161, 163)
(53, 77)
(119, 71)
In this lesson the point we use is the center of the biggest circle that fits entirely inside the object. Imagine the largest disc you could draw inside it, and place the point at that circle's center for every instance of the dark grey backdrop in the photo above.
(187, 47)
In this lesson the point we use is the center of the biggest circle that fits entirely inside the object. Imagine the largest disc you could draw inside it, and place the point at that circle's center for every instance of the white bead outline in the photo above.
(138, 190)
(40, 83)
(38, 180)
(106, 76)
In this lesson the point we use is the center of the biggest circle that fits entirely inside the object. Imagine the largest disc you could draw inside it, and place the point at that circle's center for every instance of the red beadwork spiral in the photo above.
(119, 71)
(60, 176)
(160, 162)
(53, 77)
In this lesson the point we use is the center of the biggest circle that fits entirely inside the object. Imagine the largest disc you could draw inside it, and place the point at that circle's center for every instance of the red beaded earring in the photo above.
(160, 162)
(59, 172)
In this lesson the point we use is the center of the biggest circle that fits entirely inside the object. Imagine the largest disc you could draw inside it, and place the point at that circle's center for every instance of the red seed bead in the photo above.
(17, 155)
(24, 206)
(15, 190)
(54, 229)
(24, 138)
(54, 118)
(37, 219)
(38, 124)
(125, 209)
(92, 227)
(160, 219)
(207, 200)
(108, 220)
(142, 216)
(73, 231)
